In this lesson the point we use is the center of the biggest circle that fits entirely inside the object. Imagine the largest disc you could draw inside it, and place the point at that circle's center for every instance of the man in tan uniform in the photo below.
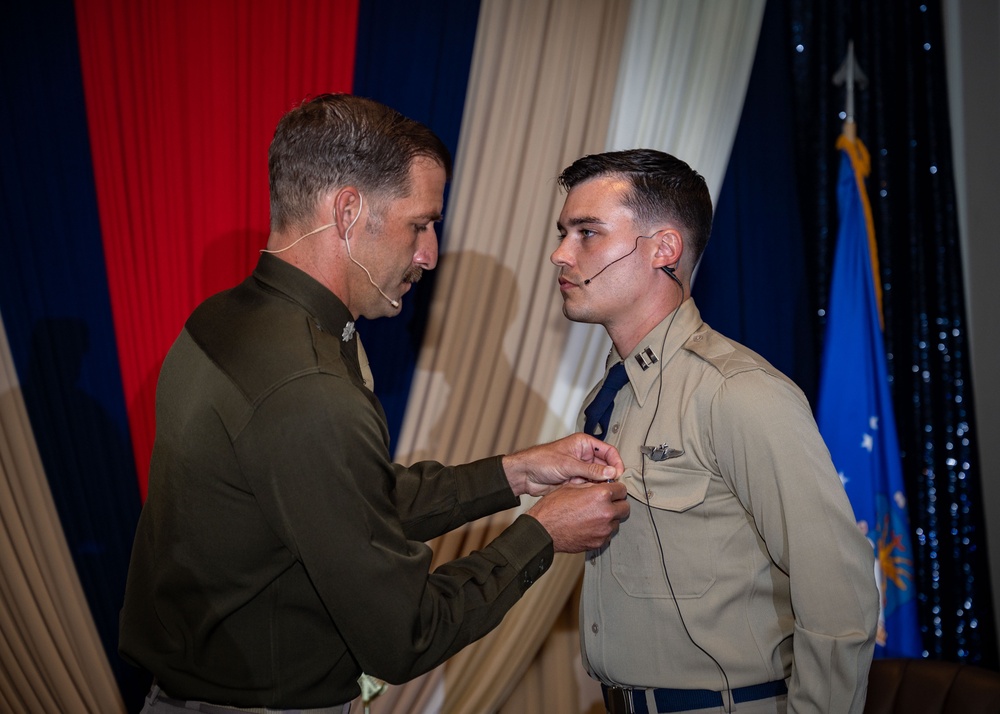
(740, 582)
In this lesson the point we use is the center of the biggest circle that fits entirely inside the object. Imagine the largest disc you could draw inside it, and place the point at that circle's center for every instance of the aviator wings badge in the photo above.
(661, 452)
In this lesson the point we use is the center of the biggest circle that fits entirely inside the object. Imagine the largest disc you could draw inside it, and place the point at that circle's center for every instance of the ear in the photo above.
(669, 248)
(345, 205)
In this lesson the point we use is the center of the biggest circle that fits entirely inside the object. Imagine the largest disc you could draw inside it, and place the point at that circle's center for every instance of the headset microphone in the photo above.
(587, 281)
(361, 202)
(668, 269)
(347, 241)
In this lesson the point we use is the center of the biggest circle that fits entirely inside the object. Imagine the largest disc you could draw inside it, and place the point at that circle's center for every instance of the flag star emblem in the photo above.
(348, 332)
(843, 479)
(867, 442)
(873, 423)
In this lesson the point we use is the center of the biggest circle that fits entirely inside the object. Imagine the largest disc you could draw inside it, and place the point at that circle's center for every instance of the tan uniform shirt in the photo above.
(744, 545)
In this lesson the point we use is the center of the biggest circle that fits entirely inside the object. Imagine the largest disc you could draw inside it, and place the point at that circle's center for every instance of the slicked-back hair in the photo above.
(663, 188)
(336, 140)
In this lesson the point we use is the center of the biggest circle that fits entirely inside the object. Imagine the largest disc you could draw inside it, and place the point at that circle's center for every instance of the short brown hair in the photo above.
(339, 139)
(662, 188)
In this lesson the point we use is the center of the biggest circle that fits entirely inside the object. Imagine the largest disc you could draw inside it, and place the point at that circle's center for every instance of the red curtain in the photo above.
(182, 100)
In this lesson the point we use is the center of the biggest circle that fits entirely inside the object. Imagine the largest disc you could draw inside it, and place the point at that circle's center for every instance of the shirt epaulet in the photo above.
(719, 352)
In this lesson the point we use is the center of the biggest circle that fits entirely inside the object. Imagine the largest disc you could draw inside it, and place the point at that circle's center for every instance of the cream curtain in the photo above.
(51, 659)
(541, 86)
(500, 367)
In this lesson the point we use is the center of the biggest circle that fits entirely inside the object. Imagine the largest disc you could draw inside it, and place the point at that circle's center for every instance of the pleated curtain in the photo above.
(500, 367)
(51, 658)
(181, 111)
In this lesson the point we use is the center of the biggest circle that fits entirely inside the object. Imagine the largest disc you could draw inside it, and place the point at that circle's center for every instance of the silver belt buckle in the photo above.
(620, 701)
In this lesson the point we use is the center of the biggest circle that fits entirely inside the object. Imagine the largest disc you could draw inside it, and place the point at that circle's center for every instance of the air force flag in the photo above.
(855, 412)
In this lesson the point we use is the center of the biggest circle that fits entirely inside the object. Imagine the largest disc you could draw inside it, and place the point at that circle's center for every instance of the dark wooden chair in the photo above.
(920, 686)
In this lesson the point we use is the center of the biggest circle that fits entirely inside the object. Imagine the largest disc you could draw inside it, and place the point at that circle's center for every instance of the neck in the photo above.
(627, 335)
(317, 257)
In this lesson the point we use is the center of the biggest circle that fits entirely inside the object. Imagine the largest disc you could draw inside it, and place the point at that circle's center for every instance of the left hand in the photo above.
(576, 458)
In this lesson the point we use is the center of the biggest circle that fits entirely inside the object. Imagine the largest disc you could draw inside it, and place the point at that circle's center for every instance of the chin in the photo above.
(577, 315)
(382, 309)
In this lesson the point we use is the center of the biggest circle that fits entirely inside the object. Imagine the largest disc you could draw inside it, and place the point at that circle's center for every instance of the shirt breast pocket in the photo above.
(674, 499)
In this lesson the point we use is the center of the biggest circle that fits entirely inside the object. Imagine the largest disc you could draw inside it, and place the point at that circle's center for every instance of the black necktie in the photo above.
(598, 413)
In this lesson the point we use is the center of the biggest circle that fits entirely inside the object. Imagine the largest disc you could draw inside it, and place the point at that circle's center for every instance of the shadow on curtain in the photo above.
(540, 87)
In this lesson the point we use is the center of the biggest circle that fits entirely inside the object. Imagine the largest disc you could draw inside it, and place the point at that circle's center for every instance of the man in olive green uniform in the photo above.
(280, 552)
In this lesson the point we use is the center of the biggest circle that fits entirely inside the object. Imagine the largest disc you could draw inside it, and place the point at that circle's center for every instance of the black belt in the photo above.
(158, 695)
(620, 700)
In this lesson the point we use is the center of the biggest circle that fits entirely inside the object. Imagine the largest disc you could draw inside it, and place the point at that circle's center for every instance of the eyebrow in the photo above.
(580, 221)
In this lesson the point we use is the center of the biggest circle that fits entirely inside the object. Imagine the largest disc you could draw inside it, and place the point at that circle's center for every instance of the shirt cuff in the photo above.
(483, 488)
(527, 546)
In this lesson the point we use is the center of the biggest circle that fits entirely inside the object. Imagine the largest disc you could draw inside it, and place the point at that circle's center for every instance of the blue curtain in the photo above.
(754, 283)
(56, 308)
(414, 56)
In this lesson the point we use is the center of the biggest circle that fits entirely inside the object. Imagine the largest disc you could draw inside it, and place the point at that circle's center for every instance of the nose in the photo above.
(562, 256)
(427, 249)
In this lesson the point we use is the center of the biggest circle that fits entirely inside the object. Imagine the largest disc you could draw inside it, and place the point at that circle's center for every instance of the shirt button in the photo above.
(649, 494)
(614, 429)
(594, 628)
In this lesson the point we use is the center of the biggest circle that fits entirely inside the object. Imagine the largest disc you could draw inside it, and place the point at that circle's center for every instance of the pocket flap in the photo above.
(668, 488)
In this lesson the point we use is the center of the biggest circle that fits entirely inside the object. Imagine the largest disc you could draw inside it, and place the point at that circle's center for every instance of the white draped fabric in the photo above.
(683, 78)
(681, 85)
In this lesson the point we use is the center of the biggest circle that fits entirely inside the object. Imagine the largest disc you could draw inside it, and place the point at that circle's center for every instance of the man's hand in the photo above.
(581, 517)
(577, 458)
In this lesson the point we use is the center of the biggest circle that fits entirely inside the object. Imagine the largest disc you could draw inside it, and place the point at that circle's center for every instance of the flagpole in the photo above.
(850, 74)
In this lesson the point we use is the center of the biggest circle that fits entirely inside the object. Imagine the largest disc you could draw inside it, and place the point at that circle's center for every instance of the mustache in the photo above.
(413, 275)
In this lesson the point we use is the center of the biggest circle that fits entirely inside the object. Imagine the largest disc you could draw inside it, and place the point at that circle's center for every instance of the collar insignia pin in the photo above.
(646, 358)
(348, 332)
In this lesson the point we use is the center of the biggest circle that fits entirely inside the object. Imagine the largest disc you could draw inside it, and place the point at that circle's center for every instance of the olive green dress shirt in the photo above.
(280, 550)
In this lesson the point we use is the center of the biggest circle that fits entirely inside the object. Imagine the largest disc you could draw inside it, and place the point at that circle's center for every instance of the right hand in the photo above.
(576, 458)
(582, 517)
